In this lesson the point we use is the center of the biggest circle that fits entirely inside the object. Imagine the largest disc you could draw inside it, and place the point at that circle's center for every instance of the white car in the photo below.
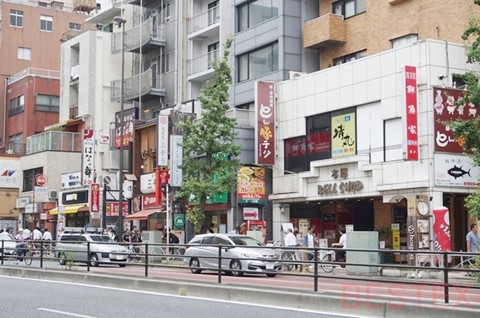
(8, 242)
(240, 253)
(74, 247)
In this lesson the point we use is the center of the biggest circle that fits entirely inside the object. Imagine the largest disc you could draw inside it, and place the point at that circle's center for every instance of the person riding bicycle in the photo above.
(20, 245)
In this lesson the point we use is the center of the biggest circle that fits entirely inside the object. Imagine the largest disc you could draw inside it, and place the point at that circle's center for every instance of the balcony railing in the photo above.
(17, 148)
(205, 19)
(150, 84)
(202, 63)
(151, 34)
(327, 30)
(32, 71)
(54, 141)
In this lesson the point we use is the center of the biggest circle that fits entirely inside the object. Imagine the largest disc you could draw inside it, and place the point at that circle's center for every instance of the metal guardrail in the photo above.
(150, 255)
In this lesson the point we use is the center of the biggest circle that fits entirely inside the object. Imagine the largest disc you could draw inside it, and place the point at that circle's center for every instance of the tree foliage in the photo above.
(210, 156)
(468, 131)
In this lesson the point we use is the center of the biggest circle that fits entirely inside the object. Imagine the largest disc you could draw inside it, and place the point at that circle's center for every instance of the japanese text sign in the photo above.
(265, 123)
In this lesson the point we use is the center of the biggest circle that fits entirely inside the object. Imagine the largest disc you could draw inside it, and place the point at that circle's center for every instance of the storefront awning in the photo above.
(71, 209)
(142, 215)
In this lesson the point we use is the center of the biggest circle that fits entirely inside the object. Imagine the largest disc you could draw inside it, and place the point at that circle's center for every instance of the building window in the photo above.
(165, 12)
(349, 58)
(212, 53)
(17, 105)
(47, 103)
(24, 53)
(349, 8)
(29, 178)
(213, 12)
(257, 63)
(15, 143)
(404, 40)
(74, 26)
(166, 62)
(254, 12)
(46, 23)
(16, 18)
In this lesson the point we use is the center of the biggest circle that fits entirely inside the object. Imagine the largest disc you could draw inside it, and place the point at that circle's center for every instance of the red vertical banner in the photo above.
(161, 177)
(411, 109)
(265, 123)
(95, 197)
(441, 229)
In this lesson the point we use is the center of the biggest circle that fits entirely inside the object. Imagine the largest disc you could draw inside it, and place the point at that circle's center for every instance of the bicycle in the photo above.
(27, 256)
(136, 254)
(289, 258)
(326, 261)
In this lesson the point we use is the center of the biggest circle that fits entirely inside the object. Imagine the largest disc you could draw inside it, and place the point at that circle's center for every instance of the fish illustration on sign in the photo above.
(457, 172)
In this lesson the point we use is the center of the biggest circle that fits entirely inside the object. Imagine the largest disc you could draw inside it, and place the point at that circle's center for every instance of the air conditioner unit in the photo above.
(9, 152)
(53, 195)
(295, 74)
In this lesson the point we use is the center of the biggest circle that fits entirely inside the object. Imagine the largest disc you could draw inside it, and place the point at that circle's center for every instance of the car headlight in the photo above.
(250, 256)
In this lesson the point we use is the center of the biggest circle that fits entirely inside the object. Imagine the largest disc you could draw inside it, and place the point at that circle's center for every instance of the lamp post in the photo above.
(121, 23)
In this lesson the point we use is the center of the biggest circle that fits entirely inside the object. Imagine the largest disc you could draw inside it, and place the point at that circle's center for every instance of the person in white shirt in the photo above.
(26, 234)
(342, 243)
(47, 236)
(290, 239)
(308, 241)
(37, 235)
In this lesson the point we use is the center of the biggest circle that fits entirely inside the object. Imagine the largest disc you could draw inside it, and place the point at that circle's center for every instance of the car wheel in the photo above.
(93, 260)
(271, 275)
(62, 259)
(122, 265)
(236, 268)
(195, 265)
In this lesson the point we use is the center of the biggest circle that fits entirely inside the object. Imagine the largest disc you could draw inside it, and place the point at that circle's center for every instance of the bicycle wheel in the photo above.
(324, 265)
(137, 255)
(178, 254)
(28, 257)
(288, 257)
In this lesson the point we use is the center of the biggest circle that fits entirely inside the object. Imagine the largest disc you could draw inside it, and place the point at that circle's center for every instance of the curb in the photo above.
(305, 301)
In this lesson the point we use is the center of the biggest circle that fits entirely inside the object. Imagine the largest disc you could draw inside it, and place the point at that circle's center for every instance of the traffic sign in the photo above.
(41, 180)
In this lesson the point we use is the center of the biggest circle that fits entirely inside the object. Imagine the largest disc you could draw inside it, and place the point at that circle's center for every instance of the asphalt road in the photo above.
(404, 293)
(20, 297)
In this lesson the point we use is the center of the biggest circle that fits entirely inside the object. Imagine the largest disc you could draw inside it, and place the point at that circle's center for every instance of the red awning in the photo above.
(142, 215)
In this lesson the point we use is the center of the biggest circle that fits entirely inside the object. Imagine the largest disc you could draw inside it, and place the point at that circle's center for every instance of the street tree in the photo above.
(210, 156)
(467, 132)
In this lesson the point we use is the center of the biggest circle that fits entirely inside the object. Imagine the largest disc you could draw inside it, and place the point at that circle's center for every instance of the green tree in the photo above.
(468, 131)
(210, 156)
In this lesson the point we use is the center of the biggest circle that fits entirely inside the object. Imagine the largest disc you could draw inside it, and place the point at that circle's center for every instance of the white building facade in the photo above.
(342, 155)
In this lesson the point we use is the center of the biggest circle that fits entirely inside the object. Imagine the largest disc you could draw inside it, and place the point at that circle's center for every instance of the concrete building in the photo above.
(31, 35)
(348, 134)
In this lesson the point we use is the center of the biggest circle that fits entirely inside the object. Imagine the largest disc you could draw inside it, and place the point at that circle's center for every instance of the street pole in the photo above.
(121, 23)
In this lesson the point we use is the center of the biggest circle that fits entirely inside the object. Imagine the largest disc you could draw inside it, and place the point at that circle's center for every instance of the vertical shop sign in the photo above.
(162, 141)
(95, 197)
(265, 123)
(411, 110)
(176, 154)
(128, 116)
(88, 156)
(441, 229)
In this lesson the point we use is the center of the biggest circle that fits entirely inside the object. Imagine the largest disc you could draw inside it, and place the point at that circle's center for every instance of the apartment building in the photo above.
(346, 130)
(31, 34)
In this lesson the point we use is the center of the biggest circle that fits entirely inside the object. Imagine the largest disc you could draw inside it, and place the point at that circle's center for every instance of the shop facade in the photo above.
(360, 146)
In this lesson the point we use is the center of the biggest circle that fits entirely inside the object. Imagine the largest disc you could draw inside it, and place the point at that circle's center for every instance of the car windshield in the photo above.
(6, 237)
(101, 238)
(245, 240)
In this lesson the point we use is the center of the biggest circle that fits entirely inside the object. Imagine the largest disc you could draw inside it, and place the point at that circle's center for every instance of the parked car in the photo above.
(239, 253)
(8, 244)
(73, 246)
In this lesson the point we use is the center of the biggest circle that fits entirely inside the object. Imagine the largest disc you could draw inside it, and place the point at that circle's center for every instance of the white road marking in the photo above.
(66, 313)
(179, 296)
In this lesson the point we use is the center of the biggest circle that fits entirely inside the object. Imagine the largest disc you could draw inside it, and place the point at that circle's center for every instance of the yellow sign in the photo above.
(396, 239)
(343, 135)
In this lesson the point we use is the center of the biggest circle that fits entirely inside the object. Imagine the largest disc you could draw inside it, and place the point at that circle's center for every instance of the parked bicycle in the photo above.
(136, 254)
(327, 261)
